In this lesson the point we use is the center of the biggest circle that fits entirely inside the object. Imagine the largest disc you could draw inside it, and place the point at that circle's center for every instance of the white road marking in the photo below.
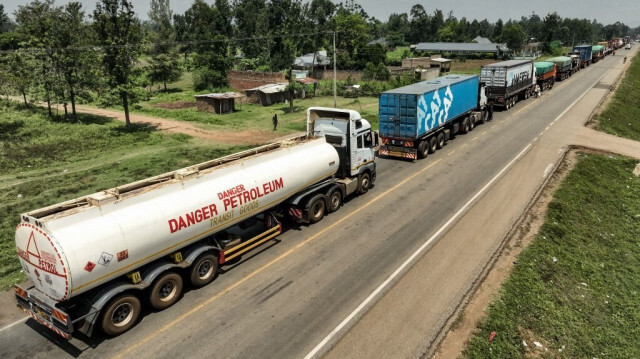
(21, 320)
(547, 170)
(358, 311)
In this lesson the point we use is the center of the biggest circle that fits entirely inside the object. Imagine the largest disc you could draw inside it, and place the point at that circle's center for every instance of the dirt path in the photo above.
(246, 137)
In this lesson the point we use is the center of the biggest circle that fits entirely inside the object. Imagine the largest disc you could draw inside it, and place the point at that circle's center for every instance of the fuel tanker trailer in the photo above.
(94, 260)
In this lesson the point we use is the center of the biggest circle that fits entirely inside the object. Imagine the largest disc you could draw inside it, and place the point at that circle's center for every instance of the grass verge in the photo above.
(621, 117)
(45, 161)
(575, 290)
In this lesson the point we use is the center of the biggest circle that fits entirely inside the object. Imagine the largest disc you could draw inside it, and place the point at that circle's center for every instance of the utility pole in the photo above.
(335, 103)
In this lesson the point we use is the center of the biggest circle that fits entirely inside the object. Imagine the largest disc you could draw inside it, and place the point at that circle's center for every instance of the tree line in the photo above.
(63, 54)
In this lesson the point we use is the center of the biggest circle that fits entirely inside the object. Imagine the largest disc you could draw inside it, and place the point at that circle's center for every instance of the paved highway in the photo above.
(286, 299)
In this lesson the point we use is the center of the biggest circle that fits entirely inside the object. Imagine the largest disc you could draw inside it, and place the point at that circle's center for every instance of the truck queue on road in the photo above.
(95, 261)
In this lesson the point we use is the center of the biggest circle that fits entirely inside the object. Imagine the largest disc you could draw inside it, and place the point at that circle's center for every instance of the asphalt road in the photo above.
(285, 299)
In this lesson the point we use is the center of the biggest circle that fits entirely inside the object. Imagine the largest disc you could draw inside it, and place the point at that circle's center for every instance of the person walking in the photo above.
(537, 91)
(275, 121)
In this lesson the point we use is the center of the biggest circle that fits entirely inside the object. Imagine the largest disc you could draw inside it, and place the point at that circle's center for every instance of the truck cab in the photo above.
(349, 134)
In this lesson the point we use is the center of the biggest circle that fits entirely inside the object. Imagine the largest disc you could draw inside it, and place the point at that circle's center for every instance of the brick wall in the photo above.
(243, 80)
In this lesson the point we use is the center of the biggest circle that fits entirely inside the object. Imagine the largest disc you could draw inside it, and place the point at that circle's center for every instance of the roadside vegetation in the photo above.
(46, 160)
(573, 292)
(622, 115)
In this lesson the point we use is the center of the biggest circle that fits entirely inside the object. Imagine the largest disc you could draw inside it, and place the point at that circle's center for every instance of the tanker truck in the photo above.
(94, 260)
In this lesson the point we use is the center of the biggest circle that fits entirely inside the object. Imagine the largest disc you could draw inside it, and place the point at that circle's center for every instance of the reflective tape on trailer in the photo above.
(408, 143)
(295, 213)
(47, 324)
(385, 141)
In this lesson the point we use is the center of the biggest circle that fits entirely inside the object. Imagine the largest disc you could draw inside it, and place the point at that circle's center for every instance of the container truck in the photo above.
(94, 260)
(585, 53)
(418, 119)
(508, 81)
(545, 74)
(575, 63)
(598, 52)
(563, 67)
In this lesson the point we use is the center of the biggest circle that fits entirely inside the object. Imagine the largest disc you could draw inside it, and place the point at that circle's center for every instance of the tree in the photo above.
(551, 29)
(351, 37)
(514, 36)
(37, 24)
(165, 66)
(19, 69)
(418, 25)
(211, 58)
(248, 15)
(6, 24)
(118, 30)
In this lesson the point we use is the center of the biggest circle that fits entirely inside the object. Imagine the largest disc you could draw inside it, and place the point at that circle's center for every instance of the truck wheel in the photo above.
(166, 290)
(365, 182)
(335, 201)
(433, 144)
(472, 123)
(121, 314)
(440, 140)
(465, 126)
(203, 270)
(316, 210)
(423, 149)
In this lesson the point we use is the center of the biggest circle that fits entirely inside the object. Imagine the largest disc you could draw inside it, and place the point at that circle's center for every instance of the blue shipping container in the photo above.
(412, 111)
(585, 52)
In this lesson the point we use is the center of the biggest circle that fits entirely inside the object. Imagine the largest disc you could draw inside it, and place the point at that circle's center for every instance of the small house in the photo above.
(269, 94)
(218, 103)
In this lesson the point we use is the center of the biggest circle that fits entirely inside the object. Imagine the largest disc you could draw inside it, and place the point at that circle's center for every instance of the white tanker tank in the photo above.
(94, 243)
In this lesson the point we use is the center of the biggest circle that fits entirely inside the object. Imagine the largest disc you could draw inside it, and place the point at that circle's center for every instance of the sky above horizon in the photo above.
(605, 12)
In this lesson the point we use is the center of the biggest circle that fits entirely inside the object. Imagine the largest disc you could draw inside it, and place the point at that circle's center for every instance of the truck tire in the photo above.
(472, 123)
(464, 126)
(203, 270)
(121, 314)
(433, 144)
(364, 183)
(440, 140)
(166, 290)
(316, 210)
(335, 200)
(423, 149)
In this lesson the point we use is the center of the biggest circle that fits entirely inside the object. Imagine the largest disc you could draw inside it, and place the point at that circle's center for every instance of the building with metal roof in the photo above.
(461, 47)
(218, 103)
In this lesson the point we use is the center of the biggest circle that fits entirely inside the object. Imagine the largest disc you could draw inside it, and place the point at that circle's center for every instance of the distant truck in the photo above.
(95, 259)
(564, 67)
(585, 53)
(598, 52)
(508, 81)
(545, 74)
(418, 119)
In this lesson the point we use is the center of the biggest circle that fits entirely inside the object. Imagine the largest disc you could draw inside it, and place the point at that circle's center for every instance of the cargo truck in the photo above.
(575, 63)
(585, 53)
(94, 260)
(418, 119)
(598, 52)
(545, 74)
(563, 67)
(508, 81)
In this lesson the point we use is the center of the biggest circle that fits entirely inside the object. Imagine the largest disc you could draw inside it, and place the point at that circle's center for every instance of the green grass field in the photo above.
(622, 115)
(44, 161)
(255, 116)
(575, 288)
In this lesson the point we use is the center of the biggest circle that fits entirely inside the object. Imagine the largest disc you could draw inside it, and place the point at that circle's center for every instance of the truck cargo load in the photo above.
(563, 67)
(507, 81)
(597, 52)
(413, 118)
(585, 53)
(545, 74)
(142, 238)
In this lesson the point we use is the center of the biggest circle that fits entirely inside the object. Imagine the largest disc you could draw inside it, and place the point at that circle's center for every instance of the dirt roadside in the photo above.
(518, 238)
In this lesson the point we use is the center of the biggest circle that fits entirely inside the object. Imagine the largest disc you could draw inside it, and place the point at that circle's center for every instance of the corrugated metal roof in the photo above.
(270, 88)
(430, 85)
(307, 80)
(307, 60)
(441, 59)
(481, 40)
(460, 46)
(222, 95)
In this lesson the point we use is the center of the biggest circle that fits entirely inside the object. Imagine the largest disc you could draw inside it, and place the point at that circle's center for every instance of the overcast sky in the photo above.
(605, 11)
